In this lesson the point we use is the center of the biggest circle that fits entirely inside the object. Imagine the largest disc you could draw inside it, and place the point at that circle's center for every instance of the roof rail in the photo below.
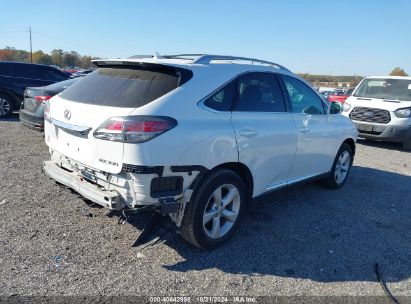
(140, 56)
(206, 59)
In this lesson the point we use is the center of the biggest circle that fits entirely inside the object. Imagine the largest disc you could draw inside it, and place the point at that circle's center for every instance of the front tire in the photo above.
(340, 169)
(215, 209)
(6, 105)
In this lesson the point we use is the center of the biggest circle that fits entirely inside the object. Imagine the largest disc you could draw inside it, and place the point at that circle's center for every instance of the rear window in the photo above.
(127, 87)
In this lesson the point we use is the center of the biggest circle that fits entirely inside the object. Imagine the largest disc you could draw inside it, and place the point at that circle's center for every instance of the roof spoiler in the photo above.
(204, 59)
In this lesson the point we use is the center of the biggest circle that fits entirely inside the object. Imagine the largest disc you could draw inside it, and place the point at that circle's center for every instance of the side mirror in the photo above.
(335, 108)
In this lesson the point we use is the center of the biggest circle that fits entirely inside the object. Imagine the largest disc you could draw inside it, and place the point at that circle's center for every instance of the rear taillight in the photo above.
(47, 111)
(134, 129)
(42, 98)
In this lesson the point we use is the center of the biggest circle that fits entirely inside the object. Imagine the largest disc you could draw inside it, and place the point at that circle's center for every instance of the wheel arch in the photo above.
(241, 169)
(12, 96)
(351, 143)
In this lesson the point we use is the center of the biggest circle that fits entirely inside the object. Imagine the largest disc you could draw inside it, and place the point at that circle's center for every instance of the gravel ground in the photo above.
(302, 241)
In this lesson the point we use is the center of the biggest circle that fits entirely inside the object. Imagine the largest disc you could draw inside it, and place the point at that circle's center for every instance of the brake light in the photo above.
(47, 111)
(42, 98)
(134, 129)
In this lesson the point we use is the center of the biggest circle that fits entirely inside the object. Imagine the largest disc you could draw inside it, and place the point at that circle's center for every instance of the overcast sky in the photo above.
(362, 37)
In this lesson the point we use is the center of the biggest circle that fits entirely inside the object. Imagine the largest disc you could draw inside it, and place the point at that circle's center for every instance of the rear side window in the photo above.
(129, 87)
(14, 70)
(4, 69)
(259, 92)
(223, 99)
(31, 71)
(51, 74)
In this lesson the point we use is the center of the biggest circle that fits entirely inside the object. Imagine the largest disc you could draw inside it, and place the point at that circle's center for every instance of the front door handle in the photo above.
(304, 129)
(248, 133)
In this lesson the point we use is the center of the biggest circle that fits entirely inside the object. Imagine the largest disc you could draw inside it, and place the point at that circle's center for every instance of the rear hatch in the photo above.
(110, 91)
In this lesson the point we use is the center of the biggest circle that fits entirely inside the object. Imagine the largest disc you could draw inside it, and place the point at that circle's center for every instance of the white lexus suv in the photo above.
(380, 107)
(193, 136)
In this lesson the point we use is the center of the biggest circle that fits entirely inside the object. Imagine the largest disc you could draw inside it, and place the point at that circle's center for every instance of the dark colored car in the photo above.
(15, 77)
(81, 73)
(32, 108)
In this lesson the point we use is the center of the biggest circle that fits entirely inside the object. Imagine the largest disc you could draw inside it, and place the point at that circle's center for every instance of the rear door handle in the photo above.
(248, 133)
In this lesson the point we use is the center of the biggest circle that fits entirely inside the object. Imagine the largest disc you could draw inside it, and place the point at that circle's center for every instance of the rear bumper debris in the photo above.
(108, 199)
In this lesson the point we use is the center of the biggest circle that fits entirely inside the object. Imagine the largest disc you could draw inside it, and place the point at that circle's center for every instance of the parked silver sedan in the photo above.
(32, 107)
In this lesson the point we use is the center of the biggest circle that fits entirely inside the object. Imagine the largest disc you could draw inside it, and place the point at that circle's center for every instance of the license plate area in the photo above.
(366, 128)
(89, 175)
(77, 147)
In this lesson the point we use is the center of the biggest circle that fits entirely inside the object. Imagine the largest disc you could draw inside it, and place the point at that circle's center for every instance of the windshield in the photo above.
(392, 89)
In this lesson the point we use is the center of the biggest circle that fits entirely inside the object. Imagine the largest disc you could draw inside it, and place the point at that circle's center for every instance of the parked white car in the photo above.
(380, 107)
(195, 137)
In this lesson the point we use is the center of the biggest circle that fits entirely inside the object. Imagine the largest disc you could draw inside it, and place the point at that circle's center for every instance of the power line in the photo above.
(31, 48)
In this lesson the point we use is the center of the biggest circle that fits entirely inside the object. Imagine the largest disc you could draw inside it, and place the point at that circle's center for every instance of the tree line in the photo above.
(56, 57)
(353, 80)
(73, 59)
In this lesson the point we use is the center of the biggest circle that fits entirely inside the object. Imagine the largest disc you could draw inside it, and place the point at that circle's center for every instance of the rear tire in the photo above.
(6, 105)
(406, 145)
(215, 209)
(340, 169)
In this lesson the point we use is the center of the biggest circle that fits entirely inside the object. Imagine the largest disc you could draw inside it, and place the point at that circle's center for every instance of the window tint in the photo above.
(259, 92)
(14, 70)
(303, 99)
(223, 99)
(4, 69)
(125, 87)
(33, 72)
(51, 74)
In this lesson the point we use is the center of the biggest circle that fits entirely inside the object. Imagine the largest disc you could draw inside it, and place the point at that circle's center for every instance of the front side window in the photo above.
(302, 98)
(223, 99)
(259, 92)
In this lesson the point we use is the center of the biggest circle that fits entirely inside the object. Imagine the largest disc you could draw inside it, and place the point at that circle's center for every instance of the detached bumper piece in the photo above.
(108, 199)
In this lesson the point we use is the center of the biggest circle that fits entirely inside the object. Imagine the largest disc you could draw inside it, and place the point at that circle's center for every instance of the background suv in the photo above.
(195, 137)
(15, 77)
(380, 107)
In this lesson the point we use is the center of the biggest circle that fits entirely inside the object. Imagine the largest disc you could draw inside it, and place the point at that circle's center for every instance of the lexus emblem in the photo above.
(67, 114)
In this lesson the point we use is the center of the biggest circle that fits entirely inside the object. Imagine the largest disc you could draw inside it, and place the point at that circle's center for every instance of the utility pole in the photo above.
(31, 49)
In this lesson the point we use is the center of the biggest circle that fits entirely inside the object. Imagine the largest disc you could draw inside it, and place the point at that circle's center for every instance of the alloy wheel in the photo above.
(342, 167)
(221, 211)
(4, 106)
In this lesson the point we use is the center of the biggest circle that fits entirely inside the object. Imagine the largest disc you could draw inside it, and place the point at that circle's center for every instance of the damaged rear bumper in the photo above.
(105, 198)
(135, 187)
